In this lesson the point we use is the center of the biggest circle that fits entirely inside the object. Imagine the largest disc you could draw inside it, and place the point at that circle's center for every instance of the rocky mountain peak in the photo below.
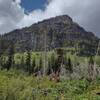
(61, 31)
(56, 20)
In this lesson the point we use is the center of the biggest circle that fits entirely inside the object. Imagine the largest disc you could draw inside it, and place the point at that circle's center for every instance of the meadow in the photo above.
(18, 85)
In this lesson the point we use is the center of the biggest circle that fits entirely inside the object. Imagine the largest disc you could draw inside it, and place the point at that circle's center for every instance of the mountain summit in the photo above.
(60, 31)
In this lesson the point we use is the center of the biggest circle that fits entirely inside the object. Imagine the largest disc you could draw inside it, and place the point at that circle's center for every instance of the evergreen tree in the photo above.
(2, 52)
(2, 62)
(49, 67)
(59, 60)
(57, 66)
(40, 63)
(1, 47)
(22, 65)
(51, 64)
(91, 61)
(28, 61)
(52, 61)
(10, 61)
(70, 65)
(33, 65)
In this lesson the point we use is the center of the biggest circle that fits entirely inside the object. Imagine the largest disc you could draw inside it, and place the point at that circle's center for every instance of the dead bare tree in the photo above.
(45, 59)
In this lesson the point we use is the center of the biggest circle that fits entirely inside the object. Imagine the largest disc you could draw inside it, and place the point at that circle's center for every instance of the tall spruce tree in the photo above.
(91, 61)
(40, 63)
(59, 60)
(22, 64)
(28, 61)
(33, 65)
(10, 61)
(1, 52)
(70, 65)
(52, 61)
(49, 67)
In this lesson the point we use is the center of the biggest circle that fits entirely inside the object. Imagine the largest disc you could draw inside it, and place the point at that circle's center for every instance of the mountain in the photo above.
(60, 31)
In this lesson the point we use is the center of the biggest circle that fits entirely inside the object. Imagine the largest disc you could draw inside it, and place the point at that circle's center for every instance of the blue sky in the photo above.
(30, 5)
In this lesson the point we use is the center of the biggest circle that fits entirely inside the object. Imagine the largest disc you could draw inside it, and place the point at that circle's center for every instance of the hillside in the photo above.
(61, 31)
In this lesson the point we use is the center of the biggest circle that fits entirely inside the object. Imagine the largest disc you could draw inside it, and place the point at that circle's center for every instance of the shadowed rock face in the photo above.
(61, 31)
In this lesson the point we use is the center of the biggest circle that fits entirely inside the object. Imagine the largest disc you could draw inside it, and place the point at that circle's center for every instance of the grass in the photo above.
(18, 85)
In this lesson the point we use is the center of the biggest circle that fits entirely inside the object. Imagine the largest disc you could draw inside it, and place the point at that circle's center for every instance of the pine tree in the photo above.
(70, 65)
(28, 61)
(91, 61)
(52, 61)
(2, 41)
(22, 63)
(10, 61)
(40, 63)
(59, 60)
(49, 67)
(33, 65)
(57, 64)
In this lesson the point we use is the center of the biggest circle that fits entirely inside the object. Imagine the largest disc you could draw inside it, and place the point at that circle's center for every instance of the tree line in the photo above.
(31, 66)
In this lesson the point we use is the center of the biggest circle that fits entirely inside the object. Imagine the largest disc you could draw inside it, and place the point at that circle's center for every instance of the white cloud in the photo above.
(18, 1)
(85, 12)
(10, 14)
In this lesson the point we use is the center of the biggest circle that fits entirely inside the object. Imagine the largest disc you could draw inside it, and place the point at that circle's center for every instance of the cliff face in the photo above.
(60, 31)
